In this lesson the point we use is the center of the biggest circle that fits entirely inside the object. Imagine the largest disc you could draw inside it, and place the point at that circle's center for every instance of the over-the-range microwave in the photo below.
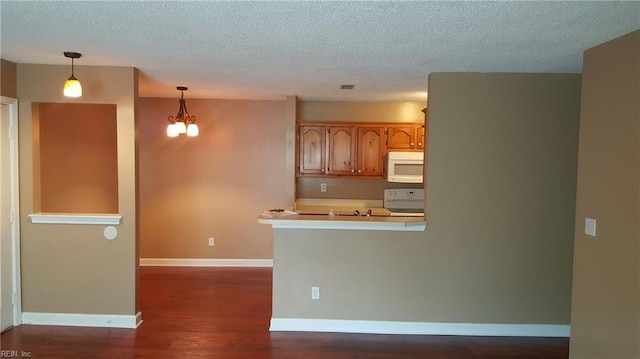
(405, 167)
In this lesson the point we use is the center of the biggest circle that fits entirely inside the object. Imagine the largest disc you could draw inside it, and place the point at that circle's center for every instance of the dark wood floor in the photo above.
(224, 313)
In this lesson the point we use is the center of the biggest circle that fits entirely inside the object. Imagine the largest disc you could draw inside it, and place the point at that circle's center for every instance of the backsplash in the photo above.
(347, 188)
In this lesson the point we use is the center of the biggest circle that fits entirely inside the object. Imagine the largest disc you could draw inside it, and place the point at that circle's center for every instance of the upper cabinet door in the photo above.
(401, 137)
(422, 131)
(312, 154)
(342, 150)
(370, 151)
(421, 138)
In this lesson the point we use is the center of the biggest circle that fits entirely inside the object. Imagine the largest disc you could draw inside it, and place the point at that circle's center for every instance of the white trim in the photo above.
(83, 320)
(410, 224)
(75, 218)
(204, 262)
(419, 328)
(369, 226)
(14, 170)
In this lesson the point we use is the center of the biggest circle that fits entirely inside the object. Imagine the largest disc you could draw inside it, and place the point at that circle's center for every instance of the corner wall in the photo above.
(605, 315)
(73, 269)
(216, 184)
(501, 193)
(88, 183)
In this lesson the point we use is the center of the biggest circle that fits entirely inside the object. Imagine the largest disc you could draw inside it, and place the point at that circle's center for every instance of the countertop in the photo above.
(341, 210)
(316, 217)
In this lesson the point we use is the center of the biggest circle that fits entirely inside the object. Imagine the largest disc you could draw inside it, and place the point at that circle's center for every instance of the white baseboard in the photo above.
(204, 262)
(83, 320)
(419, 328)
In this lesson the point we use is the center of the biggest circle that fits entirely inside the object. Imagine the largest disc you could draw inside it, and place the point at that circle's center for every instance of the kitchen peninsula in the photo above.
(326, 221)
(314, 248)
(350, 214)
(337, 273)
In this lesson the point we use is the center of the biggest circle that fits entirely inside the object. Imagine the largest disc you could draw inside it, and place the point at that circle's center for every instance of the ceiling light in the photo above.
(72, 87)
(182, 122)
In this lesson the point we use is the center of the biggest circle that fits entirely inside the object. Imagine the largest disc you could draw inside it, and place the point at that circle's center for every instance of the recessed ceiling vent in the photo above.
(347, 87)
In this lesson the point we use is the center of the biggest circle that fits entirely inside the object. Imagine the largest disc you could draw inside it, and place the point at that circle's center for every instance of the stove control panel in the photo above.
(411, 194)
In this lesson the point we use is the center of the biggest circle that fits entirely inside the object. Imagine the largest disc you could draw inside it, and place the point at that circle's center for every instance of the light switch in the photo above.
(590, 227)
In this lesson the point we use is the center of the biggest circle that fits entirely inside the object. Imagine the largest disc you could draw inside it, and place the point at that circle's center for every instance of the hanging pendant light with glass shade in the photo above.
(72, 87)
(182, 122)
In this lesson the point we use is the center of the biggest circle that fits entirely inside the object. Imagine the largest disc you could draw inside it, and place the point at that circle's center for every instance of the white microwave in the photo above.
(405, 167)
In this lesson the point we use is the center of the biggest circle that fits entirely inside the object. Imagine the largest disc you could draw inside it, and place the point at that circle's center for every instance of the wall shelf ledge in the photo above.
(75, 218)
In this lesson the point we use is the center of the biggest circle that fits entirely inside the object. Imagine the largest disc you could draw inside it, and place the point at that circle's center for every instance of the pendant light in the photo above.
(72, 87)
(182, 122)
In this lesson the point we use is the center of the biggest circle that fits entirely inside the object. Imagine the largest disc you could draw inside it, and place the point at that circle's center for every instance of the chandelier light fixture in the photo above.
(182, 122)
(72, 87)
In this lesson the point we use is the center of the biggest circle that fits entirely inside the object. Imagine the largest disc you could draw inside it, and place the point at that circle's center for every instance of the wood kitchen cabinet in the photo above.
(370, 151)
(342, 150)
(355, 151)
(312, 149)
(406, 137)
(420, 138)
(401, 137)
(422, 131)
(352, 149)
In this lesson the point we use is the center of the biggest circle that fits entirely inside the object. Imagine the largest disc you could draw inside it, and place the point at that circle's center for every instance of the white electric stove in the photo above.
(404, 202)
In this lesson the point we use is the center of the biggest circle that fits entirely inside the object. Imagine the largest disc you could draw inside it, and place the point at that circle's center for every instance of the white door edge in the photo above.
(12, 103)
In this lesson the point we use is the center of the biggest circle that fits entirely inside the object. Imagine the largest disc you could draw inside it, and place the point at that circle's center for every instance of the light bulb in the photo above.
(72, 87)
(181, 127)
(172, 131)
(192, 130)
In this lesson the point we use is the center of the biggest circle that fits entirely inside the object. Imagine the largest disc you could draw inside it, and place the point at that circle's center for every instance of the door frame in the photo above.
(12, 103)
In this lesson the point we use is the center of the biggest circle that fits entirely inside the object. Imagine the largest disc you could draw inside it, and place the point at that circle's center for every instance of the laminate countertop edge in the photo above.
(373, 223)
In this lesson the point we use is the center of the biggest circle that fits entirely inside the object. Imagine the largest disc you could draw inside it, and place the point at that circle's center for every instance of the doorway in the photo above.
(10, 308)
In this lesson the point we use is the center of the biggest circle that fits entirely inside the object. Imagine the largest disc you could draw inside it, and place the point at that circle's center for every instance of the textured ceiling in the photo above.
(267, 50)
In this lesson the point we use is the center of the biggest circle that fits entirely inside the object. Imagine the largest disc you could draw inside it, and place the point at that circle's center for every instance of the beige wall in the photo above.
(73, 268)
(605, 315)
(8, 83)
(291, 107)
(341, 188)
(499, 240)
(213, 185)
(328, 111)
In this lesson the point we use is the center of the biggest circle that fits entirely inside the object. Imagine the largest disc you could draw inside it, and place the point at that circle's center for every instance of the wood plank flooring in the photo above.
(225, 312)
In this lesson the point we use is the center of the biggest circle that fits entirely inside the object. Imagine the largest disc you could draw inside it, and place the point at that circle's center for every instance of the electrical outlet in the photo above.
(315, 293)
(590, 226)
(323, 187)
(211, 242)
